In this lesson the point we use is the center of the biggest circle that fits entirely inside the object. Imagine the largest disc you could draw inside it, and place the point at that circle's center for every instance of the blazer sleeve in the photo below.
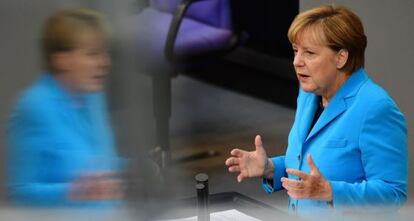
(383, 146)
(279, 172)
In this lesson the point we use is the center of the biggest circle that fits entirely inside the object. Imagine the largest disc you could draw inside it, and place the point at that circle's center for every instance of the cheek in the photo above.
(316, 72)
(322, 72)
(84, 61)
(79, 78)
(87, 63)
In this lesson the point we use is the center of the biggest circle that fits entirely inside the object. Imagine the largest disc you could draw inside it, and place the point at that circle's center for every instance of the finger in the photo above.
(287, 187)
(258, 142)
(234, 169)
(296, 194)
(232, 161)
(104, 174)
(240, 177)
(237, 152)
(298, 173)
(292, 184)
(311, 164)
(290, 187)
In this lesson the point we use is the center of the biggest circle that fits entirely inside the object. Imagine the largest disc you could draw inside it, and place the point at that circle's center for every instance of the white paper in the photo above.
(226, 215)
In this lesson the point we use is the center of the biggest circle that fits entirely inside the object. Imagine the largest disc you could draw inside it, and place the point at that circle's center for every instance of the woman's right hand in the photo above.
(250, 163)
(99, 186)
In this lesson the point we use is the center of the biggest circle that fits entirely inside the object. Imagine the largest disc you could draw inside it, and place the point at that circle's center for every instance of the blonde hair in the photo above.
(63, 29)
(337, 28)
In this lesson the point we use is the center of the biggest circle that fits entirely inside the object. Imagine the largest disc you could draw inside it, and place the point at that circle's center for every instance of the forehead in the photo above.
(91, 38)
(311, 36)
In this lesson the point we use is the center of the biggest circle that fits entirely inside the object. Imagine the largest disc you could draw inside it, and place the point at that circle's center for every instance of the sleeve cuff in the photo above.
(338, 197)
(279, 172)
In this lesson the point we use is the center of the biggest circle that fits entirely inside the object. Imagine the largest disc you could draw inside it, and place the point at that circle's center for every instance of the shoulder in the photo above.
(378, 105)
(38, 97)
(373, 92)
(374, 97)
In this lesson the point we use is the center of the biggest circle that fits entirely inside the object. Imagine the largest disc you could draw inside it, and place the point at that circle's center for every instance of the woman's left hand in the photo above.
(310, 186)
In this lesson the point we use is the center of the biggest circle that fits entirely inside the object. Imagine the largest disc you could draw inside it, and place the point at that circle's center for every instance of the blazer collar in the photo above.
(335, 107)
(58, 91)
(70, 104)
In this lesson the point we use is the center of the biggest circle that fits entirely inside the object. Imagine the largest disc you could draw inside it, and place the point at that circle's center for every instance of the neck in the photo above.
(66, 83)
(330, 92)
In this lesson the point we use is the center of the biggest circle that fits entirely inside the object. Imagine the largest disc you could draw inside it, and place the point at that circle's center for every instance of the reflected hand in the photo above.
(100, 186)
(310, 186)
(249, 163)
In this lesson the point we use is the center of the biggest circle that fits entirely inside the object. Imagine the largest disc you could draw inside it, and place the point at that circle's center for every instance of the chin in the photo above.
(307, 88)
(93, 88)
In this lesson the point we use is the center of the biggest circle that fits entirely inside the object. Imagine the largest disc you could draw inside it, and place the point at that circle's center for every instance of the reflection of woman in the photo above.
(61, 149)
(347, 146)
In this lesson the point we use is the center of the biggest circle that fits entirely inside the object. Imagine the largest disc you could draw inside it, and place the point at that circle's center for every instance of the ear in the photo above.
(342, 58)
(61, 61)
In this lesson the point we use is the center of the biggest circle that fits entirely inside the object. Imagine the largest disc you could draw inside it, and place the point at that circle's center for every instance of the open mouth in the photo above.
(99, 77)
(303, 76)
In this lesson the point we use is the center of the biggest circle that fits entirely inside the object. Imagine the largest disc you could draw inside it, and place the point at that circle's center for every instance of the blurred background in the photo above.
(248, 90)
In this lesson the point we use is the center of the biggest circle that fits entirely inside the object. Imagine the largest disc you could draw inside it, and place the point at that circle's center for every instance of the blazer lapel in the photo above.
(338, 103)
(306, 116)
(334, 109)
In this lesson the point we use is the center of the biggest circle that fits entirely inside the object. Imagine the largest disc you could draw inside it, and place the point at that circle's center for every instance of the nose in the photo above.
(298, 60)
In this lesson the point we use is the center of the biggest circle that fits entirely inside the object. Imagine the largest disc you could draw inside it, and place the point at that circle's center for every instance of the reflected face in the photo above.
(316, 65)
(85, 68)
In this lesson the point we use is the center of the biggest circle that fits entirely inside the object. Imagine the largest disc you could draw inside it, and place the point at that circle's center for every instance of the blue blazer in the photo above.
(359, 144)
(53, 138)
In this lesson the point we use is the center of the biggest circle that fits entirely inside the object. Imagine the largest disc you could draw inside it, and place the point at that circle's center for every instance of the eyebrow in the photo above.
(306, 48)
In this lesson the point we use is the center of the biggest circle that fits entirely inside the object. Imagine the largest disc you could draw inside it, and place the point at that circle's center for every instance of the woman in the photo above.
(61, 149)
(348, 145)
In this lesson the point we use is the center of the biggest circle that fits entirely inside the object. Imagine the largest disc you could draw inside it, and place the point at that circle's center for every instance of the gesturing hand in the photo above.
(248, 163)
(99, 186)
(310, 186)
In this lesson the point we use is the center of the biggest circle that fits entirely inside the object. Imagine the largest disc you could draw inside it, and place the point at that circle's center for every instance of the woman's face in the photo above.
(317, 66)
(85, 67)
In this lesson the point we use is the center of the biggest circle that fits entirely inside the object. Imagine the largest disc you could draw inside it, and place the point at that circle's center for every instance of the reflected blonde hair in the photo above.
(63, 29)
(336, 27)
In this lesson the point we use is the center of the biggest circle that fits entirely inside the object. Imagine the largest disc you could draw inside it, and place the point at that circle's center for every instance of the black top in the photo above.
(317, 113)
(315, 119)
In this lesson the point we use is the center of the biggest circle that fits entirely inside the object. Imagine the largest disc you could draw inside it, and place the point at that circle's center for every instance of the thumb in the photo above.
(240, 178)
(258, 143)
(311, 164)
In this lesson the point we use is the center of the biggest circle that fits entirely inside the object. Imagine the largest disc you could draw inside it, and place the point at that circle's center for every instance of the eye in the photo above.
(96, 52)
(295, 51)
(92, 53)
(309, 52)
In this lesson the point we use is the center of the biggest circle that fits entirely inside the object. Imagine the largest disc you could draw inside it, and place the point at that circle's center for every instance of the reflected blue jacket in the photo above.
(359, 144)
(53, 138)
